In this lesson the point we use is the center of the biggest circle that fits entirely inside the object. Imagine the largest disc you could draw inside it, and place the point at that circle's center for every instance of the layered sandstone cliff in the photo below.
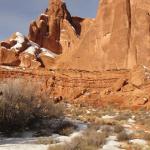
(119, 38)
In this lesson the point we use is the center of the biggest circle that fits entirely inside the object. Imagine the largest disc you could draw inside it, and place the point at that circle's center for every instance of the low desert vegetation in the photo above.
(89, 140)
(45, 141)
(21, 106)
(123, 136)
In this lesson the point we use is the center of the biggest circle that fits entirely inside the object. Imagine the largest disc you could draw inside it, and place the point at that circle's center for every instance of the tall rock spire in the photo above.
(47, 28)
(119, 38)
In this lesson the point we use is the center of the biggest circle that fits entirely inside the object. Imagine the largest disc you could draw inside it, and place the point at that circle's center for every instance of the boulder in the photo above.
(29, 61)
(119, 84)
(5, 44)
(139, 75)
(48, 58)
(8, 57)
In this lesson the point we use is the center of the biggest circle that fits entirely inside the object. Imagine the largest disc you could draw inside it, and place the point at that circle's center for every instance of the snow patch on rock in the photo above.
(48, 53)
(20, 39)
(31, 50)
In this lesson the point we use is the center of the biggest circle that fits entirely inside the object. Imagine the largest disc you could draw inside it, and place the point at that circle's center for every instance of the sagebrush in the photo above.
(21, 104)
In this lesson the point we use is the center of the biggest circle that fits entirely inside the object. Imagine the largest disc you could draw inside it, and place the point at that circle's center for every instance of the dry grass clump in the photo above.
(45, 141)
(90, 140)
(123, 116)
(139, 147)
(123, 136)
(66, 131)
(118, 128)
(92, 137)
(20, 105)
(146, 136)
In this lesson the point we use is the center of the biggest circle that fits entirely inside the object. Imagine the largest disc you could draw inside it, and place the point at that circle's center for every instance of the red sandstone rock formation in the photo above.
(119, 38)
(56, 29)
(19, 51)
(8, 57)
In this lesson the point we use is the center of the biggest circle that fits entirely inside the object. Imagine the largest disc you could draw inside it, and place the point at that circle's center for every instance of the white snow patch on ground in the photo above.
(68, 139)
(131, 121)
(112, 144)
(127, 126)
(138, 141)
(28, 142)
(23, 147)
(21, 143)
(129, 131)
(108, 117)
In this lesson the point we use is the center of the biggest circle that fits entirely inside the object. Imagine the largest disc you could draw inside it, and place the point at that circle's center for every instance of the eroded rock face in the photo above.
(19, 51)
(139, 75)
(8, 57)
(55, 32)
(56, 29)
(119, 38)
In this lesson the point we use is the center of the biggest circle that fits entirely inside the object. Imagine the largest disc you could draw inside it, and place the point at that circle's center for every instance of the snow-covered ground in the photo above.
(23, 147)
(28, 141)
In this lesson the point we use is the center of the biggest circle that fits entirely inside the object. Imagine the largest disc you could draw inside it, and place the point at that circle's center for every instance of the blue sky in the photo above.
(15, 15)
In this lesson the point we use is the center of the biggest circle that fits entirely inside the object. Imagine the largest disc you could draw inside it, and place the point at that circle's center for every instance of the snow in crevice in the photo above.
(31, 50)
(17, 46)
(48, 53)
(44, 15)
(34, 44)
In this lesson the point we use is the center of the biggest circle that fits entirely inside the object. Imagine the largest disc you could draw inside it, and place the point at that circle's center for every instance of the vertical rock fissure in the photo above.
(129, 15)
(129, 20)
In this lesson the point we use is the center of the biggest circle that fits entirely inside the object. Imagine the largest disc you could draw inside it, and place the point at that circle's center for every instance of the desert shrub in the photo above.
(118, 128)
(45, 141)
(123, 136)
(107, 129)
(61, 126)
(123, 116)
(92, 137)
(20, 105)
(66, 131)
(146, 136)
(139, 147)
(89, 140)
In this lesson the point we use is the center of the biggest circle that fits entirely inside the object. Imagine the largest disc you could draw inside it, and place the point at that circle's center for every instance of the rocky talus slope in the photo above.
(97, 61)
